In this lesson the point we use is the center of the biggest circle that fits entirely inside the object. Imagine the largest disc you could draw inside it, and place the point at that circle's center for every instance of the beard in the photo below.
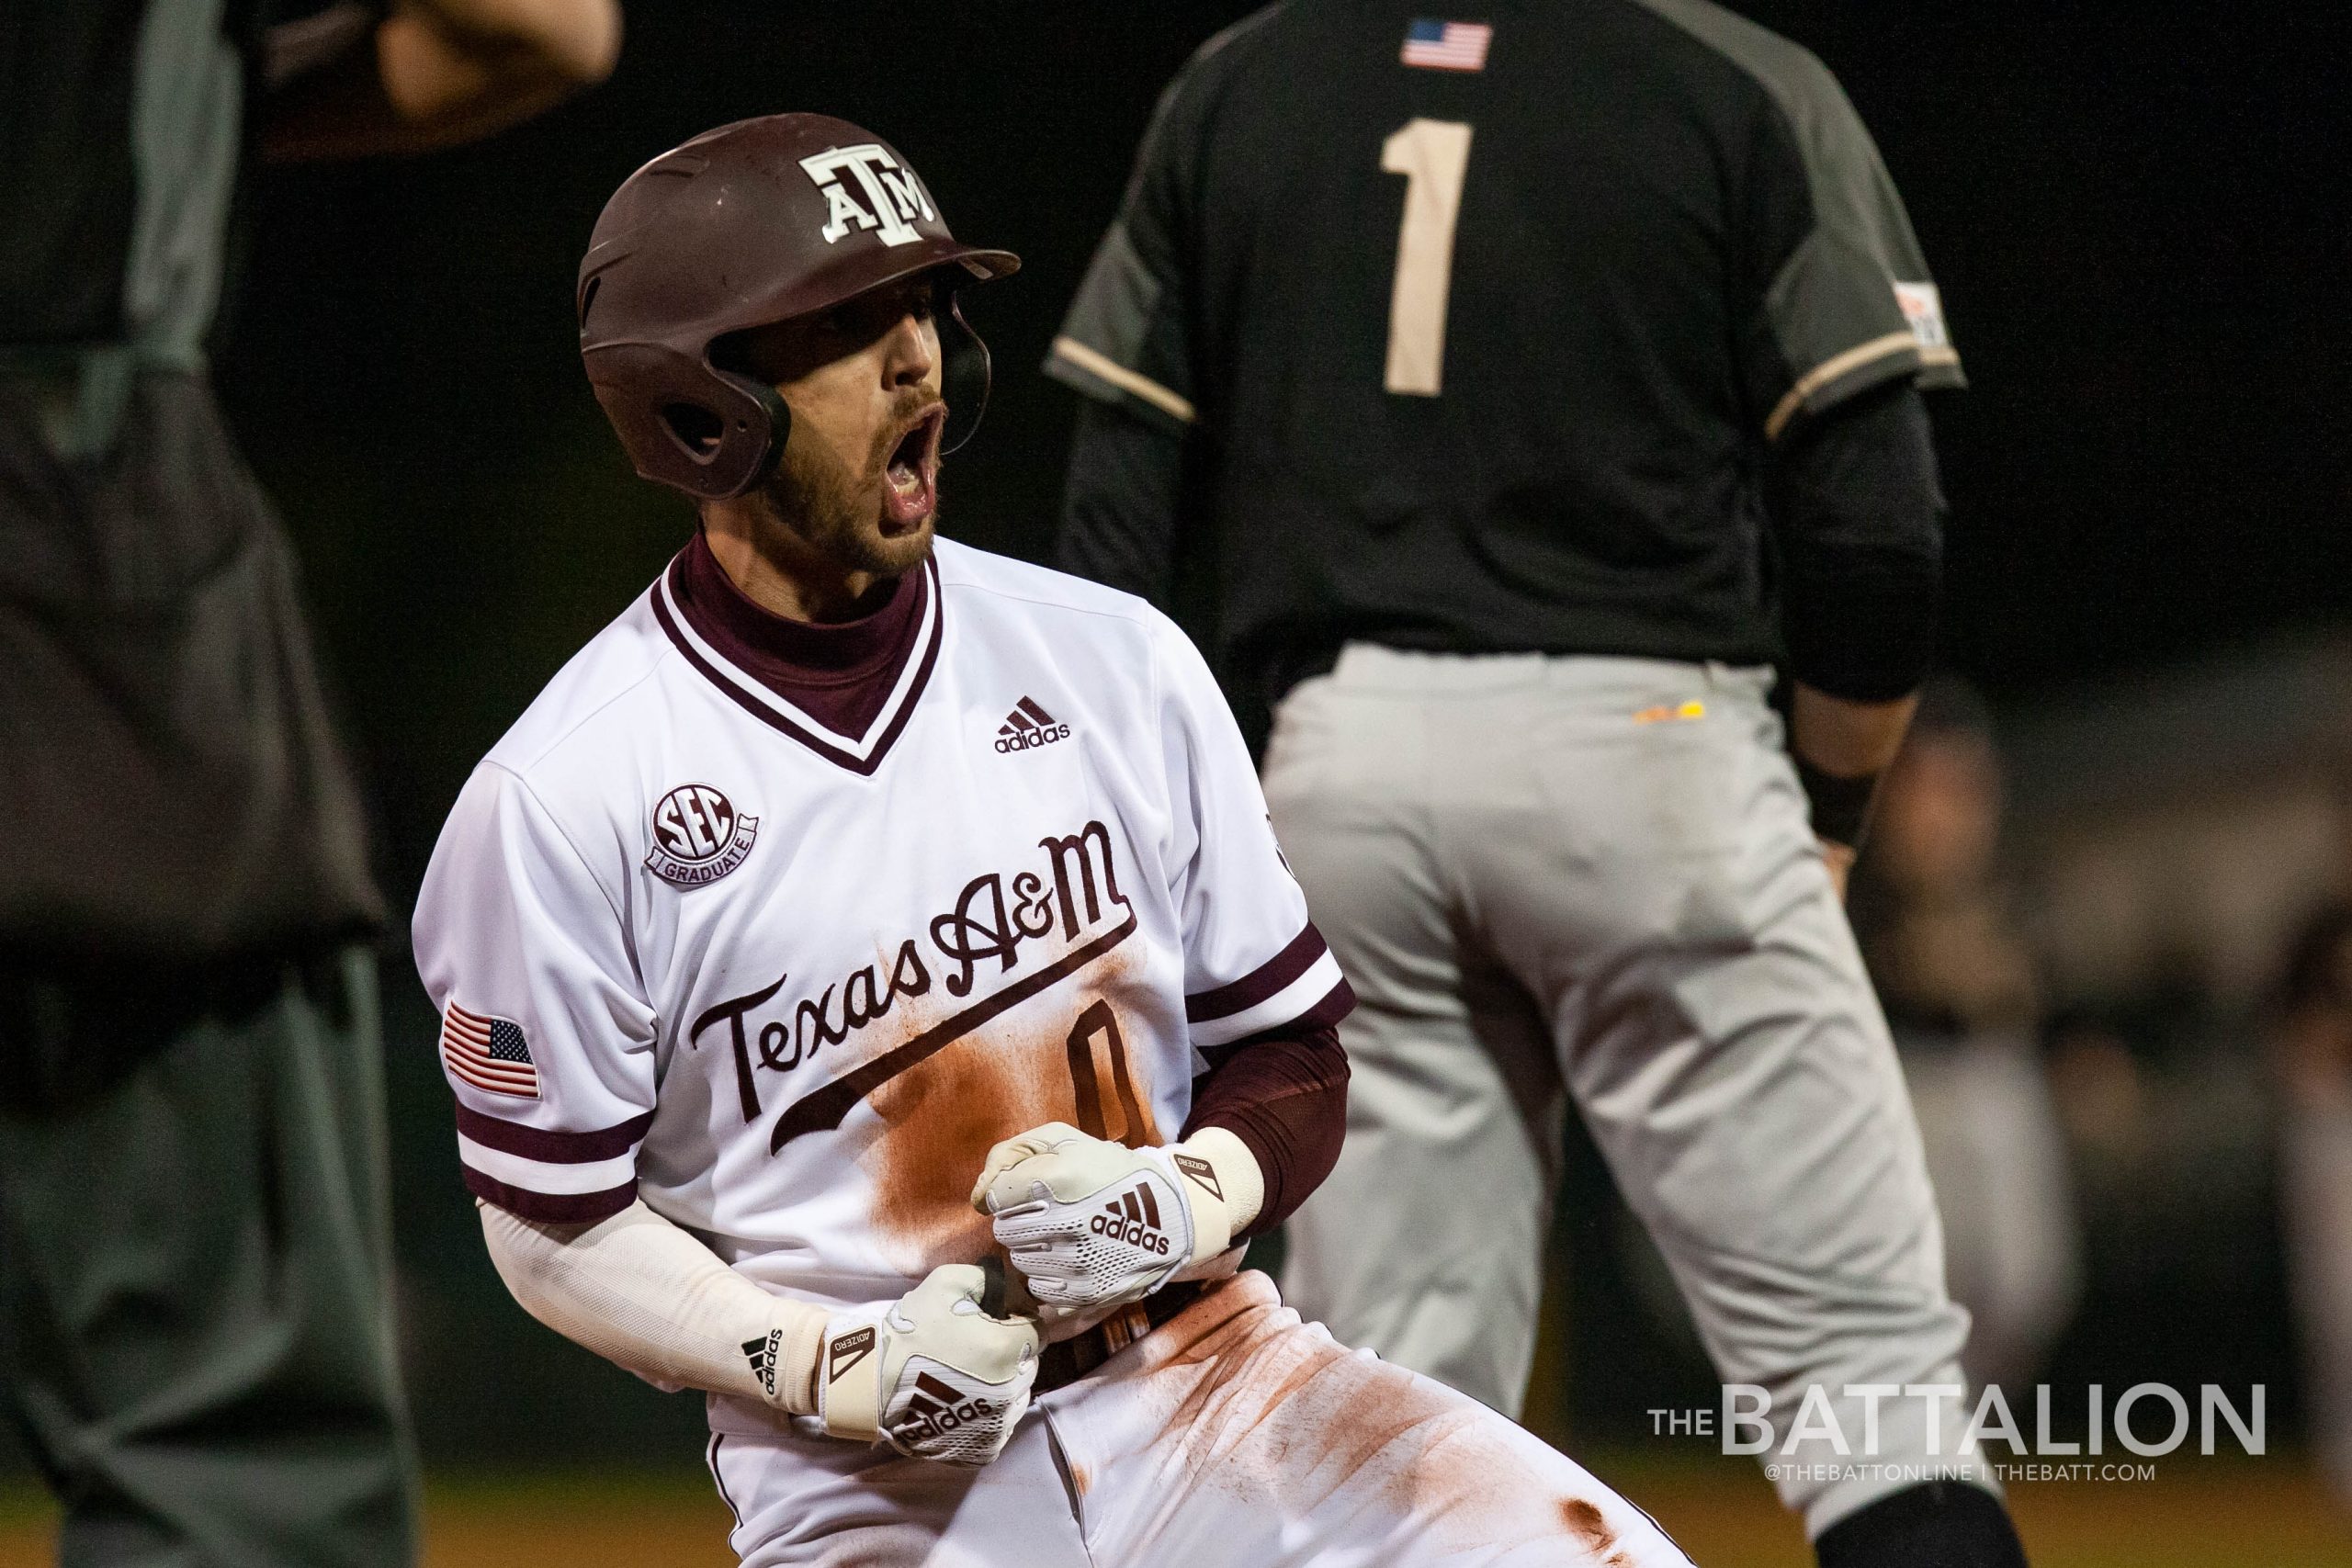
(836, 511)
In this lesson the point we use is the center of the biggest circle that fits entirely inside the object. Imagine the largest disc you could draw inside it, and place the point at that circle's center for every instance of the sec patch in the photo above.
(699, 835)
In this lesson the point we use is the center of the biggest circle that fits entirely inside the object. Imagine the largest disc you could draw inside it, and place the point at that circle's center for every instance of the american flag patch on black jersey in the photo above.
(489, 1053)
(1435, 45)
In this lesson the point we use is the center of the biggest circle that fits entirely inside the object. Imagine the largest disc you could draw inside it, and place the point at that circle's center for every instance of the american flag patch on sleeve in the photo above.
(1436, 45)
(491, 1053)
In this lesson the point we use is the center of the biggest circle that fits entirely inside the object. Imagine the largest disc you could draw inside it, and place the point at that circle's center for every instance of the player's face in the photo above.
(859, 477)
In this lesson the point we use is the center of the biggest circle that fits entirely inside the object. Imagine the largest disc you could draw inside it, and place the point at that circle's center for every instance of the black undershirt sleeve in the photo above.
(1119, 509)
(1859, 512)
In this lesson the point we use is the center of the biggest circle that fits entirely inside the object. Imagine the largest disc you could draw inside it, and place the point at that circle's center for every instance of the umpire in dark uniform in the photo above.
(1534, 378)
(195, 1329)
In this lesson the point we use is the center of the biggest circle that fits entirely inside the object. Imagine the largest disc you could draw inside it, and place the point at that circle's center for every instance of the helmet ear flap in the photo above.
(761, 424)
(710, 432)
(964, 375)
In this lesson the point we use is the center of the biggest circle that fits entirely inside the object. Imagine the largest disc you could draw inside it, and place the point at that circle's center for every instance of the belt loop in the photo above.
(1126, 1326)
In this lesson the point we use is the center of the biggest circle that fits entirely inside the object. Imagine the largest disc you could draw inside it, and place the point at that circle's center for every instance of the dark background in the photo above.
(2136, 213)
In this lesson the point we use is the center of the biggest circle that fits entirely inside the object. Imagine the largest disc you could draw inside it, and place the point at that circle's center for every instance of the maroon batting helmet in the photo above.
(755, 223)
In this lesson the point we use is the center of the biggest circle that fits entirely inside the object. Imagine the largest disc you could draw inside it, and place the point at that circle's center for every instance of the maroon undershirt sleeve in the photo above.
(1285, 1095)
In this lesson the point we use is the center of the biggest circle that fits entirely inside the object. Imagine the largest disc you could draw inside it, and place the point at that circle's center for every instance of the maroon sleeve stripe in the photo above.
(552, 1148)
(1337, 1003)
(1329, 1013)
(550, 1208)
(1264, 981)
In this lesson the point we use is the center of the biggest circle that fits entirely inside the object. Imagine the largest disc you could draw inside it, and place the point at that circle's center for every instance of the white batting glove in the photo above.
(933, 1375)
(1090, 1224)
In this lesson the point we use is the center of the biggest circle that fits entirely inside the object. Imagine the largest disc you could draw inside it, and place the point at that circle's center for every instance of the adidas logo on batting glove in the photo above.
(933, 1375)
(1090, 1224)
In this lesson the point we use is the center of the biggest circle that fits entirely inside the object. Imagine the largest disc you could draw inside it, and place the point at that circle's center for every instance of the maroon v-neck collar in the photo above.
(845, 690)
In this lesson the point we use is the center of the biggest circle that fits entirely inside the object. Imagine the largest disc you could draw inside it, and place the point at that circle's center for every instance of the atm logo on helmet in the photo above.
(893, 197)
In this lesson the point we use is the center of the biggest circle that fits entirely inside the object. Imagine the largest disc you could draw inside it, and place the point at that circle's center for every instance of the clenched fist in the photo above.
(1090, 1224)
(932, 1374)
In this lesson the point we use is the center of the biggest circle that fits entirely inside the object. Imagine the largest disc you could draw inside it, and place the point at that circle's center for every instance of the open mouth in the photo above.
(911, 477)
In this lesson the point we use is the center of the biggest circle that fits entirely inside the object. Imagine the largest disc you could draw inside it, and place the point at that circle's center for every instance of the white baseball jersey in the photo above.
(789, 988)
(788, 985)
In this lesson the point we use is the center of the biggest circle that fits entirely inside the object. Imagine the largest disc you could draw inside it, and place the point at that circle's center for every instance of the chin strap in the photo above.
(964, 377)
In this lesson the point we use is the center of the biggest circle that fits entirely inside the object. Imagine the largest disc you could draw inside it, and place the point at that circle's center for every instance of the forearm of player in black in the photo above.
(428, 74)
(1859, 515)
(1119, 508)
(1284, 1095)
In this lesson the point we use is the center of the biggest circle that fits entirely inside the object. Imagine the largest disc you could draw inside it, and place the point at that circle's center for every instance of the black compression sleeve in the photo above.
(1119, 509)
(1860, 514)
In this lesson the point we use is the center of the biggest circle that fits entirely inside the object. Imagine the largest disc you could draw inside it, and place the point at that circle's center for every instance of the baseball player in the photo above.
(856, 907)
(196, 1323)
(1519, 376)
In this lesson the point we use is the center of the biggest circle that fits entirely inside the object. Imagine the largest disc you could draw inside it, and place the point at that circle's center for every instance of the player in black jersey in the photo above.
(1532, 379)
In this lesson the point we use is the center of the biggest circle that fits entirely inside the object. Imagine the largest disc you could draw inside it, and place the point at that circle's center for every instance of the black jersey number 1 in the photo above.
(1432, 155)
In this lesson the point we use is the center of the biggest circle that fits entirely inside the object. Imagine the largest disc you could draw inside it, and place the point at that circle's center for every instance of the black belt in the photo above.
(1072, 1359)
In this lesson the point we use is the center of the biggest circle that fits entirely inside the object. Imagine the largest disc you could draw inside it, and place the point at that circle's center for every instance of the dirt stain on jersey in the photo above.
(1288, 1407)
(1591, 1531)
(943, 1115)
(1287, 1418)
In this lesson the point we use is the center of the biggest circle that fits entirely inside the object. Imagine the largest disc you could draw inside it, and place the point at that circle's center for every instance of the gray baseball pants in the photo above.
(1598, 874)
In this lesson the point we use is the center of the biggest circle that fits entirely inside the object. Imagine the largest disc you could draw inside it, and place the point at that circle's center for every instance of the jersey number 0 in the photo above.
(1086, 1077)
(1432, 155)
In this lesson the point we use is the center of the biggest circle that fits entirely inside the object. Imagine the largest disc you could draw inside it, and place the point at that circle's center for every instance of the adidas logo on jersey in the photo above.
(1028, 725)
(1134, 1219)
(762, 1355)
(935, 1409)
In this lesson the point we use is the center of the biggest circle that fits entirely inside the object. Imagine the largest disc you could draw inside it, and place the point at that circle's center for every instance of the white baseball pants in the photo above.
(1233, 1433)
(1598, 874)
